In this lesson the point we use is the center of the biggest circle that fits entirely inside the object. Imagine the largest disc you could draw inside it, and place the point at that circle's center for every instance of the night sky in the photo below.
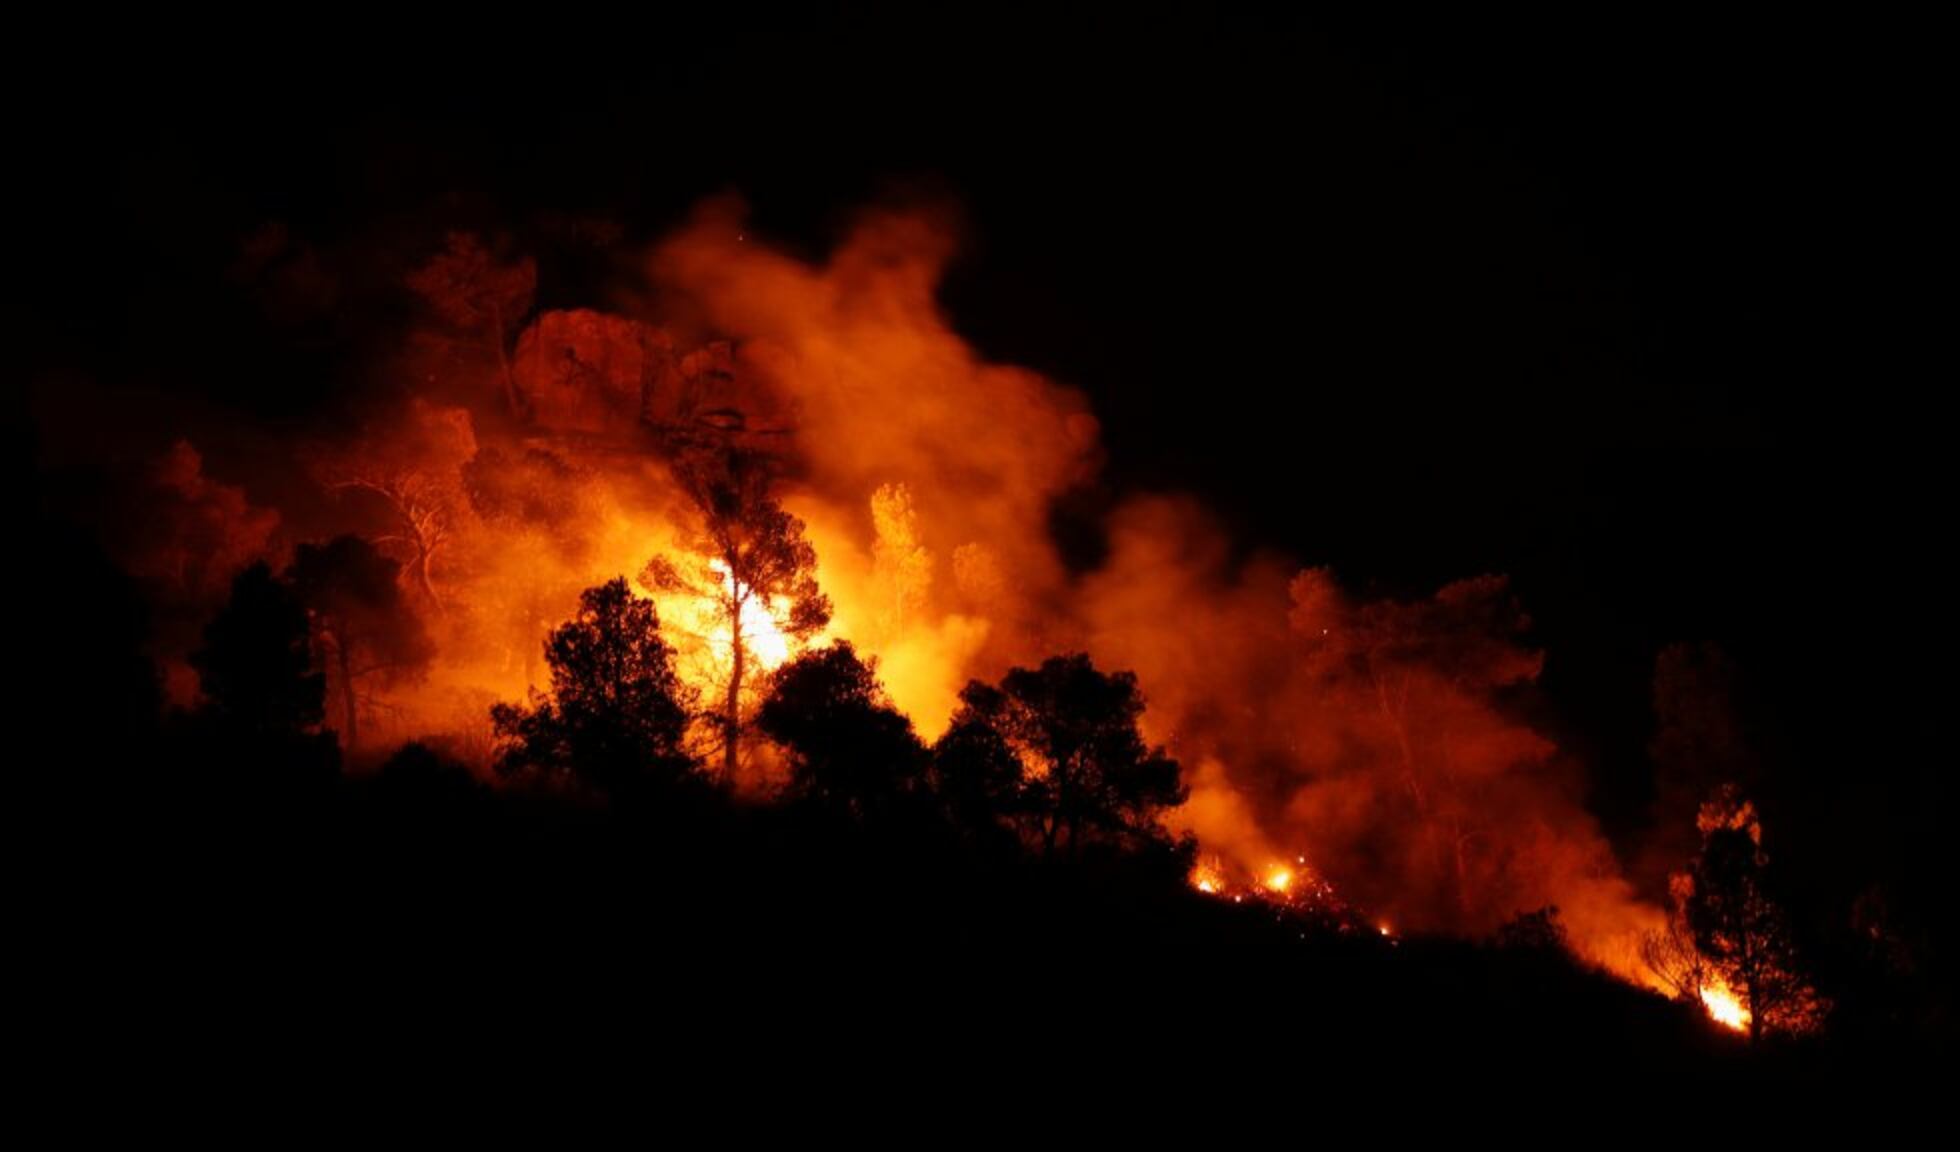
(1632, 311)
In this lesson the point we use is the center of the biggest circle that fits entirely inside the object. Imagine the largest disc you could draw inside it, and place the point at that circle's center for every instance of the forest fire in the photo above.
(788, 455)
(789, 529)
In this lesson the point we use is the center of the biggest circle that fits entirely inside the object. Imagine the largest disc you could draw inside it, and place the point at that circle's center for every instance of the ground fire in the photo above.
(892, 489)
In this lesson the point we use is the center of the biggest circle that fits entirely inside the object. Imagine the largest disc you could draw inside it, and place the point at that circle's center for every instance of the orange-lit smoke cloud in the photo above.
(881, 391)
(189, 536)
(1379, 740)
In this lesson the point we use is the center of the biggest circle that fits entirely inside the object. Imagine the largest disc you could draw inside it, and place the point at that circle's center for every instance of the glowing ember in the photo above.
(1723, 1008)
(1293, 890)
(1384, 930)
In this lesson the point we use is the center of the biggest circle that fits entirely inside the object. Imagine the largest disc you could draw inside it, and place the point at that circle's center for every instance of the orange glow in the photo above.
(925, 475)
(762, 631)
(1725, 1009)
(1293, 888)
(1207, 878)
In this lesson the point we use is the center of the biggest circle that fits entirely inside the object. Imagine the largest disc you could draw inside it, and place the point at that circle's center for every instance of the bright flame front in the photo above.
(1206, 878)
(1725, 1009)
(762, 631)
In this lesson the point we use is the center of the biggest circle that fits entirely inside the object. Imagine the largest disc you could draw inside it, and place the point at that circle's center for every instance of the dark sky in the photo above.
(1630, 310)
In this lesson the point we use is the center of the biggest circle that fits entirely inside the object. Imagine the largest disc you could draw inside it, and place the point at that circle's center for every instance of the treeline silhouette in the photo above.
(1005, 894)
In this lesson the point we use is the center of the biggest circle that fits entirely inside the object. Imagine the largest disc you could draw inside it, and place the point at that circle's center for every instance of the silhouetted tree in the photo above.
(901, 567)
(470, 289)
(616, 716)
(364, 629)
(256, 665)
(410, 467)
(756, 571)
(1888, 990)
(263, 699)
(1739, 928)
(850, 750)
(1539, 931)
(1670, 953)
(422, 782)
(1087, 773)
(1698, 743)
(976, 773)
(420, 509)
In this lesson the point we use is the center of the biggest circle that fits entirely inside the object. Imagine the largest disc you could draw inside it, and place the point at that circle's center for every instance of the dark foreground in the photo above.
(419, 920)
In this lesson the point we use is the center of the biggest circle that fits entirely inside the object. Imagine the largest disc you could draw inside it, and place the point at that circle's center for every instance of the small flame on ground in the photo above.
(1207, 878)
(1725, 1009)
(1291, 887)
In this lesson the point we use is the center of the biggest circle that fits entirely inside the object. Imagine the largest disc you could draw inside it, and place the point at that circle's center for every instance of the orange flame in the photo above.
(1206, 878)
(1725, 1008)
(761, 625)
(851, 368)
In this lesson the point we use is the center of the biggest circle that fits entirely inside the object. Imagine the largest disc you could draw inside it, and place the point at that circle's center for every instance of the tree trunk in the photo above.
(733, 730)
(1393, 717)
(1072, 820)
(506, 372)
(347, 691)
(1752, 985)
(422, 557)
(1066, 812)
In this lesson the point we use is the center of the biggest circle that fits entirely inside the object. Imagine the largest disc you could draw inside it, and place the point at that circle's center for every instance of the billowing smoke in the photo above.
(1382, 740)
(524, 456)
(858, 359)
